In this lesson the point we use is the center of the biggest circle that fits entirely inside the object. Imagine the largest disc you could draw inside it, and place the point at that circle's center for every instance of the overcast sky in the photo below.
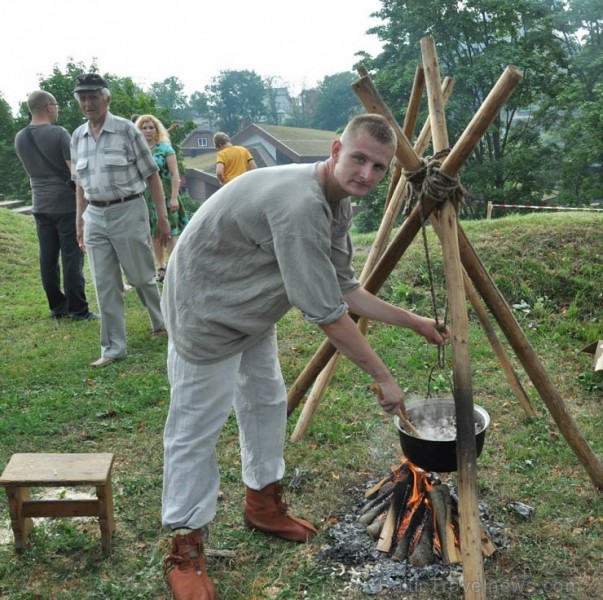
(299, 42)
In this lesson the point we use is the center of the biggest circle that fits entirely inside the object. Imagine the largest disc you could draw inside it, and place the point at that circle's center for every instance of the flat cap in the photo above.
(88, 82)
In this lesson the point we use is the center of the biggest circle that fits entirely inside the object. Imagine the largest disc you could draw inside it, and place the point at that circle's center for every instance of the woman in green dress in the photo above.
(164, 154)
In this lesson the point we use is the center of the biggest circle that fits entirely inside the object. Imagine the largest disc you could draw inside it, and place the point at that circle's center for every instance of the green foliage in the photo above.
(60, 83)
(475, 41)
(236, 99)
(371, 209)
(198, 104)
(13, 180)
(336, 102)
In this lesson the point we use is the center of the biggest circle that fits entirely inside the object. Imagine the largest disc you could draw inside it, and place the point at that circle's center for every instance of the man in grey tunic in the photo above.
(271, 239)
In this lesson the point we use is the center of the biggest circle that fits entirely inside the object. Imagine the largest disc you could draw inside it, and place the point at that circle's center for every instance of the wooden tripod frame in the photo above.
(465, 274)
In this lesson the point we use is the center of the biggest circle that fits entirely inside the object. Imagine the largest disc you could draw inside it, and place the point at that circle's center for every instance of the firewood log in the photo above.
(370, 515)
(387, 531)
(442, 507)
(404, 537)
(488, 546)
(370, 493)
(423, 554)
(377, 498)
(376, 527)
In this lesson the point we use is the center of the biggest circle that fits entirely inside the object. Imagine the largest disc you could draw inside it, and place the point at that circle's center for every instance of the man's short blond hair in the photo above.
(221, 139)
(374, 125)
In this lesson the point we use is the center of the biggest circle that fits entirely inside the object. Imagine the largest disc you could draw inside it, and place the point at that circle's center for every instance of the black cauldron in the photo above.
(437, 455)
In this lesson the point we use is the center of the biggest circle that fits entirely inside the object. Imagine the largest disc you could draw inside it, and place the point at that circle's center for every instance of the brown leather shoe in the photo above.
(265, 510)
(185, 569)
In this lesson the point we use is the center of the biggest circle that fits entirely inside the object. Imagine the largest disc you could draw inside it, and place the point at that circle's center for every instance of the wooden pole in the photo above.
(503, 359)
(469, 530)
(373, 103)
(410, 121)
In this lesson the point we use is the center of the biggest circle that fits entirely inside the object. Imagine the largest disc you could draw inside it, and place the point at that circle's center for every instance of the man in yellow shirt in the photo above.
(231, 161)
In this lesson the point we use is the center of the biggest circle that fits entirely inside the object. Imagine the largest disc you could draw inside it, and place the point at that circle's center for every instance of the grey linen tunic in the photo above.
(265, 242)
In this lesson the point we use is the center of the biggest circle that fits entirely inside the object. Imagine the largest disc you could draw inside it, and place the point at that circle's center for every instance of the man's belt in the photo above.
(103, 203)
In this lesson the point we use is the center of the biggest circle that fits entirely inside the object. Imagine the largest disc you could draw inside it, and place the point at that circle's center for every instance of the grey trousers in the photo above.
(118, 237)
(202, 397)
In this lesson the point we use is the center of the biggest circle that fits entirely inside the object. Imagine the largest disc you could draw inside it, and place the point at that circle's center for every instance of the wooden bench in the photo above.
(58, 470)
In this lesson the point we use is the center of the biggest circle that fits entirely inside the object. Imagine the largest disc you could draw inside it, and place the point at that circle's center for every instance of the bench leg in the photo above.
(22, 526)
(104, 493)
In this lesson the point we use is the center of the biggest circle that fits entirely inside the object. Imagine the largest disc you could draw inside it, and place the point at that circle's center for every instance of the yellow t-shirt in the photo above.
(234, 159)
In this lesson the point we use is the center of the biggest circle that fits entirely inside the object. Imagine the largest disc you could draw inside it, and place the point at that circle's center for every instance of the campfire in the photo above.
(413, 516)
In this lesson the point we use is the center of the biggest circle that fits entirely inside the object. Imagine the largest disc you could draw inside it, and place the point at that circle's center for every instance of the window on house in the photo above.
(202, 142)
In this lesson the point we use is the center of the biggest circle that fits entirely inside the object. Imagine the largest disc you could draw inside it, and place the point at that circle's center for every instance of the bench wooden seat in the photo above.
(58, 470)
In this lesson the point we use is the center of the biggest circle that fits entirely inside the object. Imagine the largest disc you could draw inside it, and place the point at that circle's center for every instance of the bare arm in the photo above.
(220, 172)
(172, 164)
(365, 304)
(157, 195)
(80, 207)
(347, 338)
(251, 164)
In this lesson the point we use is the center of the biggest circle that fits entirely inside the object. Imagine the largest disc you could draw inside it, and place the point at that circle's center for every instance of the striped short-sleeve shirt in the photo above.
(116, 164)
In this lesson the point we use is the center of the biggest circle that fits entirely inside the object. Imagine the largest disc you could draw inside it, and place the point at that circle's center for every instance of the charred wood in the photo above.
(423, 554)
(370, 515)
(441, 503)
(404, 540)
(396, 510)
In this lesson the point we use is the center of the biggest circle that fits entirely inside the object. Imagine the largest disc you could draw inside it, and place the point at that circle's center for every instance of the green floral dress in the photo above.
(178, 220)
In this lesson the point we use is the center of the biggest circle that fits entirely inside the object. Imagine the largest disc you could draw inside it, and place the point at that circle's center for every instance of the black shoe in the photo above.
(59, 315)
(89, 316)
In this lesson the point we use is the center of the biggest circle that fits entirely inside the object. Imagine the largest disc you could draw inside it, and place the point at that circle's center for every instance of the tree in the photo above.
(336, 102)
(126, 99)
(198, 104)
(574, 115)
(60, 83)
(236, 99)
(303, 108)
(169, 95)
(13, 179)
(475, 41)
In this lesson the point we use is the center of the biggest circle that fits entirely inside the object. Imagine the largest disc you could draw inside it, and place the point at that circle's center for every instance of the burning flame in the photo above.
(414, 516)
(418, 500)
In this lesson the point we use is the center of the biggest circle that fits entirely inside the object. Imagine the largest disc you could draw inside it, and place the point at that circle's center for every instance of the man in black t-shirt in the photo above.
(43, 148)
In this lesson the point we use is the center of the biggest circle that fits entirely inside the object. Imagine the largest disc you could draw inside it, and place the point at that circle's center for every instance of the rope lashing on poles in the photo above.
(430, 182)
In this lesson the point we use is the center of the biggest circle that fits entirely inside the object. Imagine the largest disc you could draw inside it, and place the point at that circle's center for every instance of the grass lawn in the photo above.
(550, 267)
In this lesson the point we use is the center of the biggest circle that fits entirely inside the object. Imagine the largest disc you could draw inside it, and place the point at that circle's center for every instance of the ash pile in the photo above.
(403, 533)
